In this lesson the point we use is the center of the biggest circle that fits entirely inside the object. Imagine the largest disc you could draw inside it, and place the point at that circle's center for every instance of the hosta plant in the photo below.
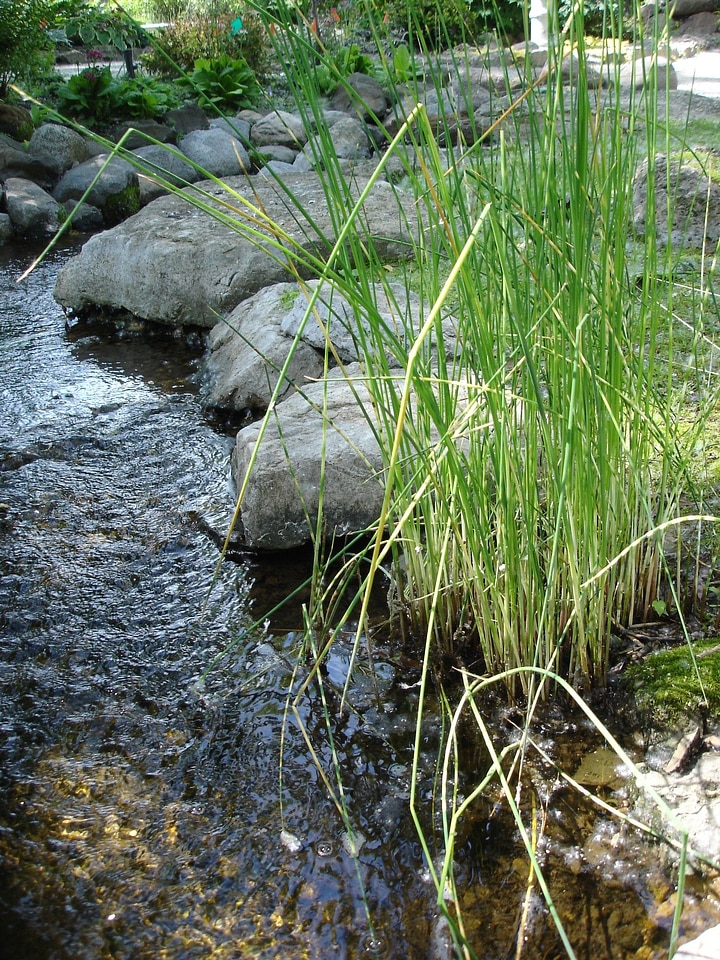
(225, 83)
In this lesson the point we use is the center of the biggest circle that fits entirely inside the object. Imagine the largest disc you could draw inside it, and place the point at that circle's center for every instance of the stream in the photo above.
(158, 796)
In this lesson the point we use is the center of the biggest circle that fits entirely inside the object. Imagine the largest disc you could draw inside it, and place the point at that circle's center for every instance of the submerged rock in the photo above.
(693, 798)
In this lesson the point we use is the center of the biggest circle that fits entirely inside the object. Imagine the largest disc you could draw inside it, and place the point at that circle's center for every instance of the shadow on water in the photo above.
(140, 811)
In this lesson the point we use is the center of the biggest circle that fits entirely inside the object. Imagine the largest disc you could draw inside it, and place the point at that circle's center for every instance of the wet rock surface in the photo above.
(685, 773)
(321, 438)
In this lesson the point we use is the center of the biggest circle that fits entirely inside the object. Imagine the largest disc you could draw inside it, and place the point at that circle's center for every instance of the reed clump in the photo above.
(535, 459)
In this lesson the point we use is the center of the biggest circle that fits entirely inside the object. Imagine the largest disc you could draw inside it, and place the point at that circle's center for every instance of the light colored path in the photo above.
(700, 74)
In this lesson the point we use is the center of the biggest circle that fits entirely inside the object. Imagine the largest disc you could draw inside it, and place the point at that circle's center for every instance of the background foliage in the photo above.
(439, 26)
(209, 35)
(25, 44)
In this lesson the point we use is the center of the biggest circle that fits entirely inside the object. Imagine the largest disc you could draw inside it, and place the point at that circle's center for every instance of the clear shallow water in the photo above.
(138, 816)
(139, 810)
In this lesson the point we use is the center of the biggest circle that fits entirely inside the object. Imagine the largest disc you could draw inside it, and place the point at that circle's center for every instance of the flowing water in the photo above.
(146, 809)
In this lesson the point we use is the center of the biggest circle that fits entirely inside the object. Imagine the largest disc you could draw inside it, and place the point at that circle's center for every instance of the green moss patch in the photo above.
(672, 684)
(122, 205)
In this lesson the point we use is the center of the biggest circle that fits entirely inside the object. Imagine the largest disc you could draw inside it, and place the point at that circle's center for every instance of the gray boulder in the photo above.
(399, 315)
(113, 187)
(163, 164)
(281, 127)
(16, 162)
(680, 9)
(700, 25)
(235, 126)
(349, 140)
(504, 76)
(139, 133)
(303, 163)
(273, 151)
(635, 74)
(6, 229)
(218, 153)
(175, 264)
(280, 507)
(248, 350)
(694, 204)
(85, 218)
(440, 109)
(33, 212)
(279, 168)
(58, 148)
(368, 99)
(185, 119)
(468, 93)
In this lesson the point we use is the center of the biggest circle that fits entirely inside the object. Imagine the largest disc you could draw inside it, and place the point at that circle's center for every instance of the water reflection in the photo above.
(139, 811)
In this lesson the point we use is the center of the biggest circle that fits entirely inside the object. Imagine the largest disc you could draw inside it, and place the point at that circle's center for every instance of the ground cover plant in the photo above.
(538, 461)
(96, 97)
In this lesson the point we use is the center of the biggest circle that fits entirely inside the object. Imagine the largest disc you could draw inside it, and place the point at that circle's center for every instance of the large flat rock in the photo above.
(177, 264)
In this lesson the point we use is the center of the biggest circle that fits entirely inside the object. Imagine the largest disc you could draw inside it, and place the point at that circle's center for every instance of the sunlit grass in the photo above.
(535, 466)
(524, 458)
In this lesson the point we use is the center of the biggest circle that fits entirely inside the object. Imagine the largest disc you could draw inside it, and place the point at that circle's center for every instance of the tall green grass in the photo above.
(544, 440)
(536, 462)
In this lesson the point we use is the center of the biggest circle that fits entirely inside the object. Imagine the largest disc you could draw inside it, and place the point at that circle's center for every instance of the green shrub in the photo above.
(597, 15)
(147, 98)
(204, 36)
(442, 24)
(88, 96)
(403, 68)
(25, 44)
(342, 63)
(96, 97)
(223, 82)
(104, 26)
(168, 10)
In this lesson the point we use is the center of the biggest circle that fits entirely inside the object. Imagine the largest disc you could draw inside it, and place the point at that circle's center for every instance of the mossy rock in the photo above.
(16, 122)
(120, 206)
(677, 683)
